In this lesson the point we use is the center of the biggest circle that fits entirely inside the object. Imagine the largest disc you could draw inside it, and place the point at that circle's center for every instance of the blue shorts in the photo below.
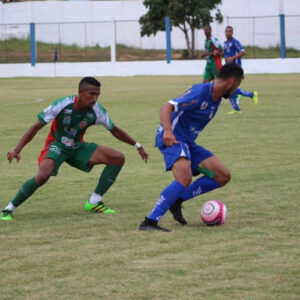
(196, 154)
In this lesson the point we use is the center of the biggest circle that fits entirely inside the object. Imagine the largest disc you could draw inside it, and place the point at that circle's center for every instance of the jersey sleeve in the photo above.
(102, 117)
(238, 46)
(188, 100)
(50, 113)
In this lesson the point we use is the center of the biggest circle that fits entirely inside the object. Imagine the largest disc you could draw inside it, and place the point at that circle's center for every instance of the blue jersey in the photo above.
(193, 111)
(232, 48)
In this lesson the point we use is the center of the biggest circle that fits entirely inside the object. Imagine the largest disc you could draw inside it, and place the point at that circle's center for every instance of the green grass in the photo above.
(18, 51)
(53, 249)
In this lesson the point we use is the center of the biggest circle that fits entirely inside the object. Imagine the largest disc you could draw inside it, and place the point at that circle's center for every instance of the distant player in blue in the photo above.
(233, 51)
(182, 119)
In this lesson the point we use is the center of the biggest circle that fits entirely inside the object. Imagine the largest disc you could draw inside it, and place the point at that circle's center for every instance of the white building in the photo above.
(88, 23)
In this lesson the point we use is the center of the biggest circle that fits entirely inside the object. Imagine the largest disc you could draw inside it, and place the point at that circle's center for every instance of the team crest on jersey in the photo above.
(82, 124)
(67, 111)
(204, 105)
(67, 120)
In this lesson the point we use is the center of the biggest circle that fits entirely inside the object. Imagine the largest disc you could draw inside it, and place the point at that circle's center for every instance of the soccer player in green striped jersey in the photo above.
(213, 53)
(71, 116)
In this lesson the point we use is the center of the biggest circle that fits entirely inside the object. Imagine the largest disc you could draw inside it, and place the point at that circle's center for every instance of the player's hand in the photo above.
(169, 138)
(216, 52)
(144, 155)
(13, 154)
(229, 59)
(204, 54)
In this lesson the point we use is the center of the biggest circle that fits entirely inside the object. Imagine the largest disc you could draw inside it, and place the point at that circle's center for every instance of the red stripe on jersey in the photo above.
(74, 103)
(49, 140)
(217, 58)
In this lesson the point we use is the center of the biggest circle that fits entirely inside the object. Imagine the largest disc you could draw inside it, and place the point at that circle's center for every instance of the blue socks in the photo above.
(237, 92)
(201, 185)
(176, 190)
(167, 198)
(233, 102)
(244, 93)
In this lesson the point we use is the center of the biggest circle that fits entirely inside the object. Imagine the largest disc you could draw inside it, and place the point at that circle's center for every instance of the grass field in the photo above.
(53, 249)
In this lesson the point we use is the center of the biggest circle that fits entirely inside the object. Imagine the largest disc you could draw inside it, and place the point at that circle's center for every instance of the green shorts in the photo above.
(77, 158)
(210, 72)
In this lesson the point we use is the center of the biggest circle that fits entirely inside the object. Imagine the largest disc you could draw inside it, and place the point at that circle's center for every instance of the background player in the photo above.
(233, 52)
(213, 54)
(71, 116)
(182, 119)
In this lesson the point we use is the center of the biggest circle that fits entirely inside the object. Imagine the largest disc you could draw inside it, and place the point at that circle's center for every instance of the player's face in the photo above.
(228, 33)
(207, 31)
(233, 84)
(89, 96)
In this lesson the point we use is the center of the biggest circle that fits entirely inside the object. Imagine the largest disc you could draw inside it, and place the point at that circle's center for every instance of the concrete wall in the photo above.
(179, 67)
(95, 22)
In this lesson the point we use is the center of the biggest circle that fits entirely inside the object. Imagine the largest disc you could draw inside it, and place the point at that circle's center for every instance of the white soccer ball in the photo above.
(214, 212)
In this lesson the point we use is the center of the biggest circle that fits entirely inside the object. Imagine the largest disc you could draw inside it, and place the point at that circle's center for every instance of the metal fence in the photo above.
(93, 41)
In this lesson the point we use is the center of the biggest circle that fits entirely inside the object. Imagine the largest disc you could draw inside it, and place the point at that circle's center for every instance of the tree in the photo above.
(187, 15)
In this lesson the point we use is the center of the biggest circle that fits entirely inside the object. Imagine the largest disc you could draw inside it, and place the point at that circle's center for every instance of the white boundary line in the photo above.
(27, 102)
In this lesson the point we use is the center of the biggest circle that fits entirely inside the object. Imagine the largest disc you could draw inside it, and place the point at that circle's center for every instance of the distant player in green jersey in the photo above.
(70, 117)
(213, 53)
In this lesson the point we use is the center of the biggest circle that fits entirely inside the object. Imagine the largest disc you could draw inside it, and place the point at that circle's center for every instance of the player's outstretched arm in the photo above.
(26, 138)
(123, 136)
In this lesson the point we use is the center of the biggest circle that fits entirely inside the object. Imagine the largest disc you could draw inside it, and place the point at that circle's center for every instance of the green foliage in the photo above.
(188, 15)
(193, 12)
(54, 249)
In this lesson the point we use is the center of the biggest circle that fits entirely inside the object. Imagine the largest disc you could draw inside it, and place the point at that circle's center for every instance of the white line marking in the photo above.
(27, 102)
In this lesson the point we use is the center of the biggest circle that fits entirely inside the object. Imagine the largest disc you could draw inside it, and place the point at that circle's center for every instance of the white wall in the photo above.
(128, 33)
(178, 67)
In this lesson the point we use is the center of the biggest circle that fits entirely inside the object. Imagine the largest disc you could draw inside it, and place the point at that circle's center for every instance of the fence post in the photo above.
(168, 39)
(282, 36)
(113, 41)
(32, 44)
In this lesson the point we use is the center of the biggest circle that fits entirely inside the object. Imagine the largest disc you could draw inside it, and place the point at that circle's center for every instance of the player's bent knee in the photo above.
(42, 178)
(185, 180)
(120, 159)
(223, 178)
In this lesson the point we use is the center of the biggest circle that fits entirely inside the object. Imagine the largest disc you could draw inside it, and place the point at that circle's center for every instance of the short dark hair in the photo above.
(229, 27)
(208, 26)
(231, 70)
(88, 81)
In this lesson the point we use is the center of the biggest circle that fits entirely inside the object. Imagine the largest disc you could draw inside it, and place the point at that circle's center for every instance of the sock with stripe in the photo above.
(107, 178)
(26, 190)
(200, 186)
(167, 197)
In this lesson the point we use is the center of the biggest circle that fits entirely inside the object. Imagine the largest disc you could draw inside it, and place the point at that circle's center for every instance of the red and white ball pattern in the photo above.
(214, 212)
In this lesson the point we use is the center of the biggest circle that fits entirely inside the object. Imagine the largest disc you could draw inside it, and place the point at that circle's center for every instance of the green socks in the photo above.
(27, 189)
(107, 178)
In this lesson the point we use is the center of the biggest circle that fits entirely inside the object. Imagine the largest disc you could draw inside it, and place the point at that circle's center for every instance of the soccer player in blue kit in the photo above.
(233, 51)
(182, 119)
